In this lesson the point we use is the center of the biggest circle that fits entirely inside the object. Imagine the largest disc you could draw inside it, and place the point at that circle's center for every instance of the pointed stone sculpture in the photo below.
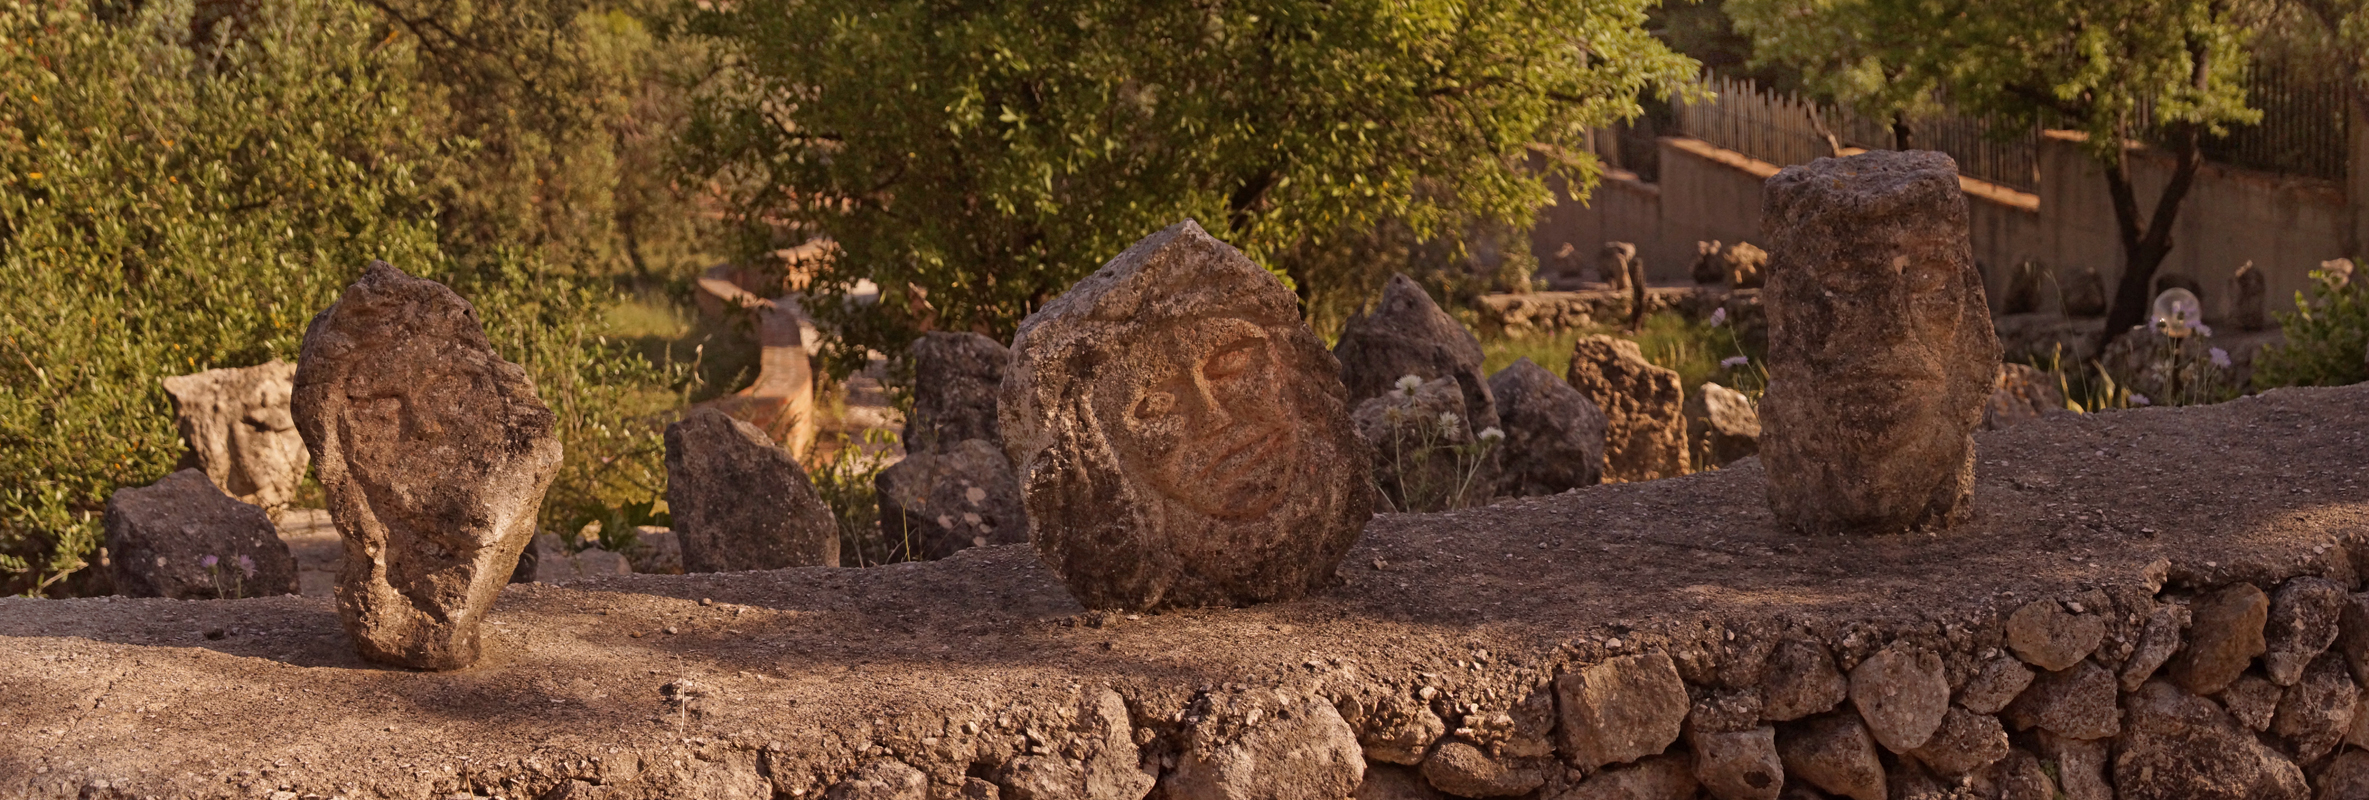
(1881, 354)
(955, 379)
(740, 503)
(239, 432)
(434, 454)
(1408, 334)
(1180, 436)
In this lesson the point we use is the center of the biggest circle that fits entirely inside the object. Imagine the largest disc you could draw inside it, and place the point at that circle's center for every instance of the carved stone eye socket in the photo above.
(1154, 405)
(1229, 362)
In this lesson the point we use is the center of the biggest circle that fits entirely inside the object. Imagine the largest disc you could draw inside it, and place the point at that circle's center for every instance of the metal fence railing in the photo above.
(2304, 130)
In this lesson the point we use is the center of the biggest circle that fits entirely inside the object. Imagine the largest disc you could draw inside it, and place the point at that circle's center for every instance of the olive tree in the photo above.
(2111, 69)
(975, 158)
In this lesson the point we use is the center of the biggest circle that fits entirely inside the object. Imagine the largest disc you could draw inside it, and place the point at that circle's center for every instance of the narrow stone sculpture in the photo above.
(1408, 334)
(1881, 353)
(955, 380)
(434, 454)
(240, 435)
(1180, 436)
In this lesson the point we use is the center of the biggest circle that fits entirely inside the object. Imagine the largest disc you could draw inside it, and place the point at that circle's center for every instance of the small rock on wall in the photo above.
(1643, 405)
(934, 504)
(434, 454)
(1881, 353)
(240, 434)
(741, 503)
(1725, 421)
(1180, 436)
(1242, 748)
(2181, 747)
(161, 538)
(1408, 334)
(2021, 393)
(1621, 710)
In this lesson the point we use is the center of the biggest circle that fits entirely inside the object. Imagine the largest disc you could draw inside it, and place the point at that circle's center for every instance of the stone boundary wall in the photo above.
(2286, 225)
(2113, 623)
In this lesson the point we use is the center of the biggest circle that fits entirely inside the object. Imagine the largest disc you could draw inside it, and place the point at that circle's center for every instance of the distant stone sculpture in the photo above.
(2023, 288)
(739, 502)
(182, 538)
(1881, 353)
(2083, 293)
(434, 454)
(1643, 405)
(1616, 263)
(2248, 292)
(1180, 436)
(1408, 334)
(236, 423)
(934, 503)
(1710, 263)
(1554, 435)
(955, 380)
(1745, 265)
(2336, 273)
(1729, 425)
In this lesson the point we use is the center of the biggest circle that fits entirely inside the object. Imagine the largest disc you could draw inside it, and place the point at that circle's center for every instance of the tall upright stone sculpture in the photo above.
(434, 454)
(739, 502)
(1881, 352)
(1180, 436)
(239, 432)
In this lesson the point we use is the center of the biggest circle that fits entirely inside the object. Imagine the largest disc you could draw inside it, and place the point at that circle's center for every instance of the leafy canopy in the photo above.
(976, 158)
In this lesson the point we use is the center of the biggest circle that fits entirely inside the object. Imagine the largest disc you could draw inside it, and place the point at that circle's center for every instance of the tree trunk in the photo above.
(2143, 248)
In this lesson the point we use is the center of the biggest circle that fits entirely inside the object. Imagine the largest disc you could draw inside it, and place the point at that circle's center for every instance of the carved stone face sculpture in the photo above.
(1881, 352)
(1181, 438)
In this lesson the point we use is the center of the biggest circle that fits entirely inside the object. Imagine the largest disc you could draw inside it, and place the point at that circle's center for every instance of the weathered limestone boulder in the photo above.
(434, 454)
(2159, 639)
(1298, 748)
(1554, 436)
(655, 551)
(1801, 680)
(554, 564)
(883, 779)
(1652, 778)
(934, 503)
(2045, 635)
(1881, 353)
(1738, 765)
(1966, 742)
(1726, 421)
(1181, 438)
(1408, 334)
(2248, 289)
(2020, 394)
(1621, 710)
(2224, 638)
(1617, 262)
(956, 377)
(1902, 694)
(1393, 728)
(182, 538)
(2180, 747)
(2078, 702)
(236, 423)
(1460, 769)
(2081, 766)
(1835, 753)
(1103, 764)
(2019, 776)
(1994, 684)
(741, 503)
(2318, 710)
(2302, 624)
(1393, 782)
(1643, 405)
(2252, 700)
(1710, 263)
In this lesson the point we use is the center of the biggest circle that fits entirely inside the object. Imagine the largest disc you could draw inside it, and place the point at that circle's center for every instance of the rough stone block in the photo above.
(1554, 436)
(434, 454)
(1651, 778)
(2159, 639)
(1180, 436)
(1621, 710)
(1460, 769)
(1643, 405)
(1902, 694)
(2318, 710)
(1801, 680)
(1408, 334)
(1738, 765)
(2252, 700)
(2302, 624)
(2077, 702)
(1835, 753)
(1306, 751)
(182, 538)
(1881, 353)
(2180, 747)
(1994, 684)
(2047, 636)
(956, 377)
(741, 503)
(934, 504)
(240, 434)
(2224, 638)
(1729, 425)
(1966, 742)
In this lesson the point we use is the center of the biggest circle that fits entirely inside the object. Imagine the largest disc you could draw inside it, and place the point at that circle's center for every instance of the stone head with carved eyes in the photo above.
(1181, 437)
(1881, 352)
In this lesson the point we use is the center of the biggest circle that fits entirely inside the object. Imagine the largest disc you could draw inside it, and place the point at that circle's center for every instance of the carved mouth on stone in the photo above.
(1244, 475)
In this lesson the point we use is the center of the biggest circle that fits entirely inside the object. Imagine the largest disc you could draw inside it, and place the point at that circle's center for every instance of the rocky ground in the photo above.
(783, 683)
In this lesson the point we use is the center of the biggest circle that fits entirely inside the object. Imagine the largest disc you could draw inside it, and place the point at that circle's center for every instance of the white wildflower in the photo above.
(1408, 384)
(1491, 434)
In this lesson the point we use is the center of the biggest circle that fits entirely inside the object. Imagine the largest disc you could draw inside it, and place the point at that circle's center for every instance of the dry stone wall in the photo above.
(2111, 624)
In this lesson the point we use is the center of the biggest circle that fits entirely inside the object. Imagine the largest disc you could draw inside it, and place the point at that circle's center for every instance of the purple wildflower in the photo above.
(1718, 316)
(1732, 362)
(209, 561)
(2219, 356)
(247, 565)
(2137, 399)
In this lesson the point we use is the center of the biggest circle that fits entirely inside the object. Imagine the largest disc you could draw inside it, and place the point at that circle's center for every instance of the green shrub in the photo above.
(2327, 337)
(177, 198)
